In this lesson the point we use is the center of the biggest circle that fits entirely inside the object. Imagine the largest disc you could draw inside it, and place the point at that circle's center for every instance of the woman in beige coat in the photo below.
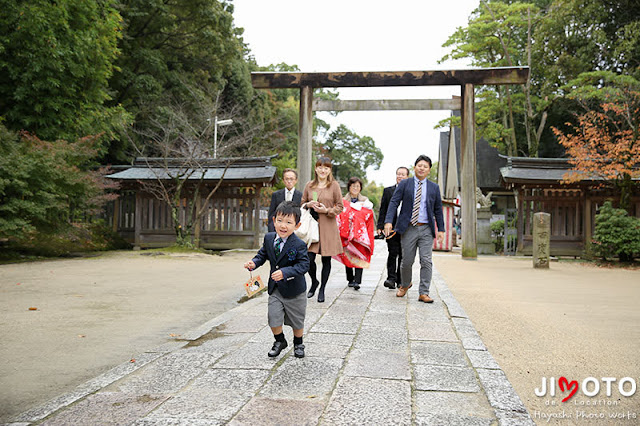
(323, 196)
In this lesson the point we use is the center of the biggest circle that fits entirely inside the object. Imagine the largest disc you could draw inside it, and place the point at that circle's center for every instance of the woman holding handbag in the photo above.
(322, 195)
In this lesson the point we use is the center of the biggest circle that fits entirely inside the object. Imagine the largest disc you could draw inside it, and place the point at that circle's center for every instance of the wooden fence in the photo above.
(231, 219)
(572, 211)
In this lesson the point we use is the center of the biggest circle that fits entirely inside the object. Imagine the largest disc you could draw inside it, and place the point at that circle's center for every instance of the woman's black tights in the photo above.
(326, 270)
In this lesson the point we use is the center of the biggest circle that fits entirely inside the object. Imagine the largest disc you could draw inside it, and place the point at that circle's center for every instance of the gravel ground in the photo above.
(573, 320)
(95, 313)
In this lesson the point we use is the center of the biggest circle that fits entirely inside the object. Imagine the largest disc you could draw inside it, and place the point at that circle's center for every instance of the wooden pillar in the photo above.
(256, 219)
(116, 214)
(305, 136)
(468, 174)
(196, 230)
(521, 219)
(138, 221)
(587, 220)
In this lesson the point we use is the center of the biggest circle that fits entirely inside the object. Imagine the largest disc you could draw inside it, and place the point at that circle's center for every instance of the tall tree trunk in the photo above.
(528, 119)
(510, 149)
(512, 125)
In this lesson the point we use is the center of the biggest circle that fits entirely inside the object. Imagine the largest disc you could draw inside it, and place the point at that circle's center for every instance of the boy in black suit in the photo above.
(287, 287)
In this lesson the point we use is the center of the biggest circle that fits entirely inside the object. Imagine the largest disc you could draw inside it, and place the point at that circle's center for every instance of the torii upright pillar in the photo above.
(305, 135)
(468, 173)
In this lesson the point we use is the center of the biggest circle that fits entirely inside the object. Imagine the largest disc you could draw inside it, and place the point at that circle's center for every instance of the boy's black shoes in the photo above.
(356, 286)
(277, 348)
(298, 350)
(352, 284)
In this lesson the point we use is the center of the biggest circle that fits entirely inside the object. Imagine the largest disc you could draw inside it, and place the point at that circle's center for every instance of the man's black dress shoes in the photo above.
(277, 348)
(390, 284)
(298, 350)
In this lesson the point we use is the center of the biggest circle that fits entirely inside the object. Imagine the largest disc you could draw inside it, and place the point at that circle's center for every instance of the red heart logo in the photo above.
(570, 385)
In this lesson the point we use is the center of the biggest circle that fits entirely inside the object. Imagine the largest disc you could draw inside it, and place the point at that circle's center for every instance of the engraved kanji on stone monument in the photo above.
(541, 237)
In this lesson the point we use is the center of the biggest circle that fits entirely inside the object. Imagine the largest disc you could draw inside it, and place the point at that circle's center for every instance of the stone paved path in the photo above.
(371, 358)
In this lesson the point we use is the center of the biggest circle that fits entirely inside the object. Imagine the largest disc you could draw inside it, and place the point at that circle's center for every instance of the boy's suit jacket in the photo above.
(293, 262)
(276, 198)
(404, 193)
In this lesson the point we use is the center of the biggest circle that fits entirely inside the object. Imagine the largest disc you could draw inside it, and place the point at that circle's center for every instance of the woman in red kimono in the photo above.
(356, 224)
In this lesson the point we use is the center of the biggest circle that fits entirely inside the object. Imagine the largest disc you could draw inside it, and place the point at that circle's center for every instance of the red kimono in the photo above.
(356, 234)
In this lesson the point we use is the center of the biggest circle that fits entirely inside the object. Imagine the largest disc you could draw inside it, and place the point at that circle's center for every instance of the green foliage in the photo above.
(43, 184)
(498, 35)
(433, 173)
(175, 53)
(592, 89)
(350, 154)
(495, 35)
(559, 40)
(616, 234)
(287, 161)
(55, 62)
(587, 35)
(171, 47)
(497, 227)
(374, 193)
(497, 231)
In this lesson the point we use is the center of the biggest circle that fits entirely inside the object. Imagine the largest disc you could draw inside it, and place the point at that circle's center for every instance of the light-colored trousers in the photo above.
(417, 238)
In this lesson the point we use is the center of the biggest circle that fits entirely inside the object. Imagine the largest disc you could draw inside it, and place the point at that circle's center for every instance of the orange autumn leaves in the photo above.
(605, 144)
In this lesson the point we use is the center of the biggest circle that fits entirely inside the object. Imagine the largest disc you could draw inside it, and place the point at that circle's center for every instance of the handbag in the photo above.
(308, 230)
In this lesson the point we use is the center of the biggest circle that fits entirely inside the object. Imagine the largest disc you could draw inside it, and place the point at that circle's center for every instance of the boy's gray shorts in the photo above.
(291, 311)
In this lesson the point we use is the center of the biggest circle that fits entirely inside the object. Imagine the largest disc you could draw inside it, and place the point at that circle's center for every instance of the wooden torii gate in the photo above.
(466, 79)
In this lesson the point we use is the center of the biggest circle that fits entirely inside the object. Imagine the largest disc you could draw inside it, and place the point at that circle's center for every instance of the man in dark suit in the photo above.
(421, 210)
(288, 193)
(393, 244)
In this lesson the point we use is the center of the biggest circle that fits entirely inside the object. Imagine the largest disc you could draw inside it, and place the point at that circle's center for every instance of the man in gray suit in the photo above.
(288, 193)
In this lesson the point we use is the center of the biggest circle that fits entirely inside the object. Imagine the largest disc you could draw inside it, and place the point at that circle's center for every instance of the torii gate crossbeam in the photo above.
(465, 78)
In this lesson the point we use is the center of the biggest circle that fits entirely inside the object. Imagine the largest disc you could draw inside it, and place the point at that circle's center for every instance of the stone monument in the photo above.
(541, 240)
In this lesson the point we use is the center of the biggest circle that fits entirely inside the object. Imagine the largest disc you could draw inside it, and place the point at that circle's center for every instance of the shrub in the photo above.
(497, 232)
(45, 185)
(616, 234)
(75, 238)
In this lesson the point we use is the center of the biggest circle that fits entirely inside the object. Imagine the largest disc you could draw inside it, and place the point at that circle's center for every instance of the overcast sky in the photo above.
(364, 35)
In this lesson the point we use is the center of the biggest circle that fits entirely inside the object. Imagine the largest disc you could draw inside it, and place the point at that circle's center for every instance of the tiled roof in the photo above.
(243, 169)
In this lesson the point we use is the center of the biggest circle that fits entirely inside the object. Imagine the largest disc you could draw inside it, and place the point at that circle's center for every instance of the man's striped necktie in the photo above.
(416, 205)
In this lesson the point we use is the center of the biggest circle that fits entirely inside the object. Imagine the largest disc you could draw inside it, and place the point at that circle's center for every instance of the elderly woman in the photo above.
(356, 232)
(323, 196)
